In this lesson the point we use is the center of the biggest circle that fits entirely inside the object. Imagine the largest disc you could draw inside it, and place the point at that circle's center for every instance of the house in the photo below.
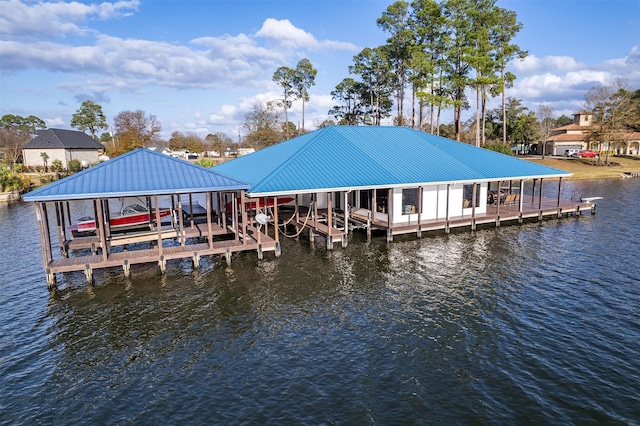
(62, 145)
(160, 149)
(238, 152)
(574, 136)
(392, 178)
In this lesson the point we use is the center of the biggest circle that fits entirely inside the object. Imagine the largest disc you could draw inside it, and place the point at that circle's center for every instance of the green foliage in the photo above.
(25, 125)
(89, 117)
(206, 162)
(75, 165)
(56, 165)
(12, 181)
(502, 148)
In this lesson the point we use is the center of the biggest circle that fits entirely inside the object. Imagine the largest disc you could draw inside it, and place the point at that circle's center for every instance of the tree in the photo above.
(326, 123)
(395, 21)
(563, 120)
(428, 24)
(89, 117)
(134, 129)
(545, 118)
(263, 126)
(505, 31)
(305, 77)
(286, 78)
(613, 113)
(15, 131)
(218, 142)
(350, 110)
(372, 65)
(45, 158)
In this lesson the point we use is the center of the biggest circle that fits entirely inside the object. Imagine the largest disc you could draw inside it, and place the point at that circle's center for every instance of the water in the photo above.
(531, 324)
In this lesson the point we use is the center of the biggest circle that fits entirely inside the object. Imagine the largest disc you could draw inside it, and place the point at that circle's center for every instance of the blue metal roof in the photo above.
(136, 173)
(342, 157)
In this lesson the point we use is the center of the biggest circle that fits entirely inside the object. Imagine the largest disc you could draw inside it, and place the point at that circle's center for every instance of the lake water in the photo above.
(531, 324)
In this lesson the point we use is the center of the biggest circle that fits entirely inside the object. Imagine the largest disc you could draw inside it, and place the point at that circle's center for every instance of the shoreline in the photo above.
(590, 169)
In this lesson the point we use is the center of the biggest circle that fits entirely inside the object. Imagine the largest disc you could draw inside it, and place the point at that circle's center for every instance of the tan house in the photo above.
(574, 136)
(63, 145)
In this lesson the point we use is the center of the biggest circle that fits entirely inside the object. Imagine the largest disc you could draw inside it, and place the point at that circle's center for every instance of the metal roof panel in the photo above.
(136, 173)
(358, 156)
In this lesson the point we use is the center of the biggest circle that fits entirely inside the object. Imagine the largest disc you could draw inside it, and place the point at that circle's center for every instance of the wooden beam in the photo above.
(243, 216)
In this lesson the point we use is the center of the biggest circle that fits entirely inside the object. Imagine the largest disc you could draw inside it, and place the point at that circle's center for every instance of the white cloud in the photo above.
(54, 122)
(284, 33)
(532, 64)
(51, 19)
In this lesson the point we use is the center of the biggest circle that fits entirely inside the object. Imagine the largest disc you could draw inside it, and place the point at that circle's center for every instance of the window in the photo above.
(467, 198)
(410, 201)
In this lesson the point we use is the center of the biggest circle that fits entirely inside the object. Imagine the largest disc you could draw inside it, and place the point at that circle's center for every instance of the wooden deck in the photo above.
(320, 226)
(535, 209)
(188, 245)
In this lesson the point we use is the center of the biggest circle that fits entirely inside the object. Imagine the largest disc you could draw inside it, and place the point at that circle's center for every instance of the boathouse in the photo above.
(85, 223)
(397, 180)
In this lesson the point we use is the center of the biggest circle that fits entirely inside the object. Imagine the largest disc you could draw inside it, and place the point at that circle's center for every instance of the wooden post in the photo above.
(47, 230)
(533, 192)
(373, 205)
(389, 207)
(558, 204)
(520, 201)
(159, 226)
(329, 220)
(540, 199)
(191, 209)
(243, 216)
(209, 229)
(315, 211)
(51, 278)
(419, 233)
(447, 229)
(60, 229)
(498, 204)
(101, 223)
(473, 206)
(234, 215)
(183, 236)
(69, 213)
(559, 190)
(224, 212)
(276, 228)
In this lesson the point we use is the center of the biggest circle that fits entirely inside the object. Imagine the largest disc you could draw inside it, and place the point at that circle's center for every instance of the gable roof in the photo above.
(346, 157)
(136, 173)
(62, 139)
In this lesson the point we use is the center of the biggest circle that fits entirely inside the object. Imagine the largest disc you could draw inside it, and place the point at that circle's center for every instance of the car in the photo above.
(570, 152)
(586, 154)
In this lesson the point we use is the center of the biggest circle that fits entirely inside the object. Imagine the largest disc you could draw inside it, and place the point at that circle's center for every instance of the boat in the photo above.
(252, 205)
(589, 200)
(131, 216)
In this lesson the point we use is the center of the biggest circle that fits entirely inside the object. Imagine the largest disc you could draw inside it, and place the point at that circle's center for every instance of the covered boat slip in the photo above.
(186, 233)
(183, 237)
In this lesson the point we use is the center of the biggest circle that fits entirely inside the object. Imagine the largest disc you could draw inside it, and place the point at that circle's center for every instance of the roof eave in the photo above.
(97, 195)
(402, 185)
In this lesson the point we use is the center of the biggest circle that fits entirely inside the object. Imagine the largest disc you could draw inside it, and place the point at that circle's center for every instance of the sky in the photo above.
(199, 66)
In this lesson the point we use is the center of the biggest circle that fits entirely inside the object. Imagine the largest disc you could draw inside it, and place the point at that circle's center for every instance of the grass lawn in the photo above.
(589, 168)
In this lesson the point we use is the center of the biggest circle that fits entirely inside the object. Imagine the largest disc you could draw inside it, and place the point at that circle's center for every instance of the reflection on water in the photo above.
(535, 322)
